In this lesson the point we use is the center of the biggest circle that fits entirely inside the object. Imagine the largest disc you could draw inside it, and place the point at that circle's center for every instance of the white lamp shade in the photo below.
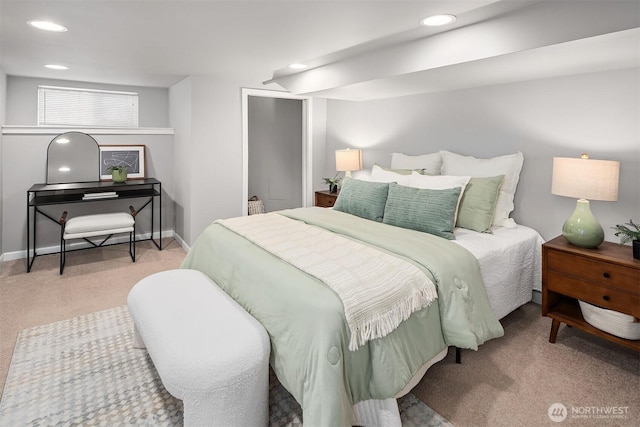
(348, 160)
(585, 178)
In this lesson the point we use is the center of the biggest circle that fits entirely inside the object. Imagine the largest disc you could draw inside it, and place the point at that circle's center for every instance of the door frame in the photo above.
(307, 136)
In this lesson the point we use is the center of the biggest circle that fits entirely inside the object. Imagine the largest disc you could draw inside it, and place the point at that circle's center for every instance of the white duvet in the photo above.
(510, 262)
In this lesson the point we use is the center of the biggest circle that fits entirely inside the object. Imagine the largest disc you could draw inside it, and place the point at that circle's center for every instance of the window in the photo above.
(65, 106)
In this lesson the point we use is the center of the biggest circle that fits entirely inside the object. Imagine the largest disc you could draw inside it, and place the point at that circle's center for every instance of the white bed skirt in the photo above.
(385, 413)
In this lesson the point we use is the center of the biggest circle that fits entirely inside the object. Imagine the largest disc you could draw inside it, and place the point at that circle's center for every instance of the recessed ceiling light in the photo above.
(297, 66)
(64, 169)
(436, 20)
(48, 26)
(56, 67)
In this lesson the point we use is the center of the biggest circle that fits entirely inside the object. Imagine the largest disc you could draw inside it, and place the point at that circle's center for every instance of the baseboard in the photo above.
(181, 241)
(80, 244)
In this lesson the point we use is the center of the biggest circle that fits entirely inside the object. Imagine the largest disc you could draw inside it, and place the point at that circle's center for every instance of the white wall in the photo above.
(559, 117)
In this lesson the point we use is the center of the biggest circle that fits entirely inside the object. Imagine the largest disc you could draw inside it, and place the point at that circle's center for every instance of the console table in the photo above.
(87, 192)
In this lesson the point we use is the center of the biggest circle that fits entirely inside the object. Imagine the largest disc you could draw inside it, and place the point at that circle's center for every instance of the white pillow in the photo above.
(509, 166)
(378, 174)
(440, 182)
(431, 163)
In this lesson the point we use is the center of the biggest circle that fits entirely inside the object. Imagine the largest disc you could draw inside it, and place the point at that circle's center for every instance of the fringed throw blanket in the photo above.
(378, 290)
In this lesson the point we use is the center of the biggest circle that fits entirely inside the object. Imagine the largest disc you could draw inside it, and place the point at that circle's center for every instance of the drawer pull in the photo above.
(606, 275)
(606, 298)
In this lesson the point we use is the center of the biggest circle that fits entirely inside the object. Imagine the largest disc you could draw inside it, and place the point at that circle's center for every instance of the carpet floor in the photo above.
(84, 371)
(511, 381)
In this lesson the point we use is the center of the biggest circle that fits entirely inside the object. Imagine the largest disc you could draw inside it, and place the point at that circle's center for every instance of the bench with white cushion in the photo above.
(86, 226)
(207, 349)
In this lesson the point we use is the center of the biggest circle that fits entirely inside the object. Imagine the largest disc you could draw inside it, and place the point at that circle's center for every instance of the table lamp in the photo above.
(348, 160)
(585, 179)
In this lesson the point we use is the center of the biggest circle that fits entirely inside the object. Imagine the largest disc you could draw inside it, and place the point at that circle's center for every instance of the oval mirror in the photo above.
(73, 157)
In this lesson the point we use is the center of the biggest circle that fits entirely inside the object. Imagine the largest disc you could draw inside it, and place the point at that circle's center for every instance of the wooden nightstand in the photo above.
(608, 277)
(325, 199)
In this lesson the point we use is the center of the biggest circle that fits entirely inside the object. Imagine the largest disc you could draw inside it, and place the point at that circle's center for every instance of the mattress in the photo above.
(510, 263)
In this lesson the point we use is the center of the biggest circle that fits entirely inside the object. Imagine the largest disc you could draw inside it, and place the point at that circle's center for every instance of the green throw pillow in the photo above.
(478, 203)
(362, 198)
(430, 211)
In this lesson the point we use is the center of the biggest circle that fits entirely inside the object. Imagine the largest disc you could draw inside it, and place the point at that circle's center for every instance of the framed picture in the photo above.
(131, 156)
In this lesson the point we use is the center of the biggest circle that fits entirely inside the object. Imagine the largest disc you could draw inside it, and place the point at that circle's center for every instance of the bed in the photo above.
(333, 369)
(510, 261)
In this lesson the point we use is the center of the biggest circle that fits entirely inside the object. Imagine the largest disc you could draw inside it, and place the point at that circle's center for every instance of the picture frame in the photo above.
(131, 156)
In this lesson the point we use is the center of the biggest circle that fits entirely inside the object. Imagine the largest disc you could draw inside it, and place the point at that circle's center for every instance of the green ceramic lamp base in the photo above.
(582, 228)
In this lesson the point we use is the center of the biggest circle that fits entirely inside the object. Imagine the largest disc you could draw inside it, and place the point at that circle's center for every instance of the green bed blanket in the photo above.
(305, 319)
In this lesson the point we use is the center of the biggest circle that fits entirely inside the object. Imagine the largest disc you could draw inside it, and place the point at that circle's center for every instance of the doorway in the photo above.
(276, 143)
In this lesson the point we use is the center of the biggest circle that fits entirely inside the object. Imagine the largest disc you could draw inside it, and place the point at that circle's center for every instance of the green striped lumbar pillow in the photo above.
(430, 211)
(362, 198)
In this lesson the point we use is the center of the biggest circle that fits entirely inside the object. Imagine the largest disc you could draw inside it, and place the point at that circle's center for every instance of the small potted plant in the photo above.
(333, 183)
(629, 232)
(118, 173)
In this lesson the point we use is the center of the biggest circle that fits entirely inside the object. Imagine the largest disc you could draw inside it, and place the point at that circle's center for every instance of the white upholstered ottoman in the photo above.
(207, 349)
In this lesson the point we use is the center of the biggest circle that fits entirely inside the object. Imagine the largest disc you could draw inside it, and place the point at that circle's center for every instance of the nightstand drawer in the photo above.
(325, 199)
(616, 276)
(602, 296)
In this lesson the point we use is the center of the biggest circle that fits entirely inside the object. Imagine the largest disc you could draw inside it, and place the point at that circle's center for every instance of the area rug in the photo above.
(84, 371)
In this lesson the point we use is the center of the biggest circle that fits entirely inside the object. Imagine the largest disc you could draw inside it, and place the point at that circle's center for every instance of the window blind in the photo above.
(64, 106)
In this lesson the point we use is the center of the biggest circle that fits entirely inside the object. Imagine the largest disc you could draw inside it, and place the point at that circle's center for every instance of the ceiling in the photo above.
(160, 42)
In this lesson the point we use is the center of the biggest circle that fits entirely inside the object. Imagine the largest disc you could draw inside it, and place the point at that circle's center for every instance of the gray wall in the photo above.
(22, 100)
(18, 177)
(216, 151)
(3, 104)
(559, 117)
(275, 151)
(319, 145)
(208, 152)
(23, 162)
(3, 97)
(211, 158)
(546, 118)
(180, 121)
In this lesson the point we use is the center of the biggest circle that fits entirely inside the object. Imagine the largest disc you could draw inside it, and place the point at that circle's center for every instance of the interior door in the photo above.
(275, 151)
